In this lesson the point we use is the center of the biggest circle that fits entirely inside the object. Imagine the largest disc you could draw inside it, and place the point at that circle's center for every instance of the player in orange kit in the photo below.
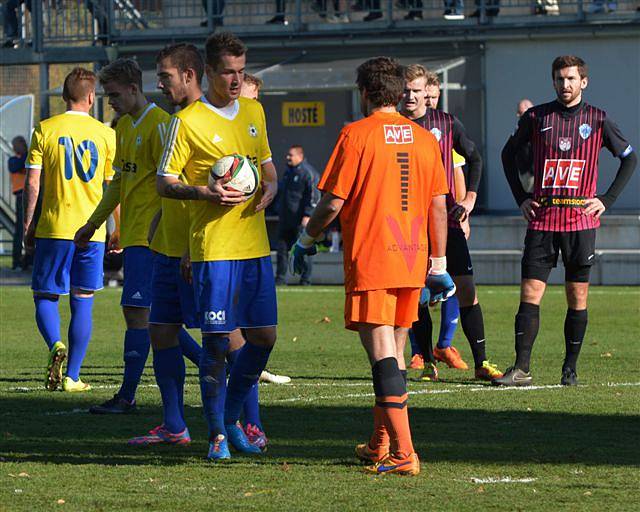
(386, 180)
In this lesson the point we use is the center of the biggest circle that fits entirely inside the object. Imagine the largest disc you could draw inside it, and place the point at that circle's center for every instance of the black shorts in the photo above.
(458, 257)
(541, 250)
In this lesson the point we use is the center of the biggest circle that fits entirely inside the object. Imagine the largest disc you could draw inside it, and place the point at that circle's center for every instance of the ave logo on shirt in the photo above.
(398, 134)
(562, 173)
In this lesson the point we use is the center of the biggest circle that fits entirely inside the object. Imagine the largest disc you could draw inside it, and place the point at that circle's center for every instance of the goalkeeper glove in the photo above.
(305, 246)
(439, 282)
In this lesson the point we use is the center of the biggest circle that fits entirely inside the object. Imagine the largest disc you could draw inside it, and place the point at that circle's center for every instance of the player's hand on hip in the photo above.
(185, 268)
(83, 235)
(440, 286)
(594, 207)
(269, 191)
(528, 208)
(298, 257)
(218, 194)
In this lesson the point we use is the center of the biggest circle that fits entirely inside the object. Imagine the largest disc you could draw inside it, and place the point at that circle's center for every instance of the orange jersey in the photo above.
(387, 169)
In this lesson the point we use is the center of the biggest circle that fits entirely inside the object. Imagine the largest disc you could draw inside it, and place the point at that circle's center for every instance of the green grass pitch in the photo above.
(544, 448)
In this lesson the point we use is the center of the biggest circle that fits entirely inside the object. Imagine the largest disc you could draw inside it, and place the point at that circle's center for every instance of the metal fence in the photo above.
(71, 22)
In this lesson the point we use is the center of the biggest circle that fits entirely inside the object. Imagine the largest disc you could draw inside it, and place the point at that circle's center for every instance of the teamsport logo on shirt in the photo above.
(398, 134)
(436, 133)
(584, 130)
(215, 317)
(253, 131)
(564, 143)
(138, 140)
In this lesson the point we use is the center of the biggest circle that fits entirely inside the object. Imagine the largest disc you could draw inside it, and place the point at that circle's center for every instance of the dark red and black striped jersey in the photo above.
(450, 134)
(565, 144)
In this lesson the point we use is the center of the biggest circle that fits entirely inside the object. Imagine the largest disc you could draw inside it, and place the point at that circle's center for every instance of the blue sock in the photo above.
(213, 382)
(168, 365)
(79, 333)
(244, 374)
(190, 347)
(48, 319)
(415, 348)
(251, 407)
(136, 351)
(449, 312)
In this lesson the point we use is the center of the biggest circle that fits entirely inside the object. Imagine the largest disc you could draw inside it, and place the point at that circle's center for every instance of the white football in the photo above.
(236, 172)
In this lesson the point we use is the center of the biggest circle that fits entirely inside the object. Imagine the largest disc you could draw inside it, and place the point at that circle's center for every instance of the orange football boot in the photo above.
(366, 454)
(406, 466)
(451, 357)
(417, 362)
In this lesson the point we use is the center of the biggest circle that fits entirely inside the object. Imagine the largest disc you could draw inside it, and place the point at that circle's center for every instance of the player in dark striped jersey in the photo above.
(450, 134)
(563, 210)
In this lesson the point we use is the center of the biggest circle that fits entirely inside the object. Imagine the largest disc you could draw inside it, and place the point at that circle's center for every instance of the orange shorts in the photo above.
(395, 306)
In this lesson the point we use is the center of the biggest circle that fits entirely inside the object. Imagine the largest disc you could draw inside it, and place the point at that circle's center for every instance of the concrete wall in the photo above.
(517, 69)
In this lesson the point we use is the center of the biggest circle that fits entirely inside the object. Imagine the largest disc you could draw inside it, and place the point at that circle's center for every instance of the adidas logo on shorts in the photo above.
(215, 317)
(137, 296)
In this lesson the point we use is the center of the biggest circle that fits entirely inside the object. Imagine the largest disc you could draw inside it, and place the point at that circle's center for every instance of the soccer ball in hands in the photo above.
(236, 172)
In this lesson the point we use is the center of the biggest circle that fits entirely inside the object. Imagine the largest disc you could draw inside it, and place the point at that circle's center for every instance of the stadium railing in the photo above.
(81, 22)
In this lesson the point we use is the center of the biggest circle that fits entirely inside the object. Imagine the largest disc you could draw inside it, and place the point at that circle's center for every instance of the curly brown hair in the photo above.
(568, 61)
(224, 43)
(383, 80)
(78, 84)
(122, 71)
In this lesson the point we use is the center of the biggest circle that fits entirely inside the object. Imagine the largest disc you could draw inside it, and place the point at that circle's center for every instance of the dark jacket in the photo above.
(298, 193)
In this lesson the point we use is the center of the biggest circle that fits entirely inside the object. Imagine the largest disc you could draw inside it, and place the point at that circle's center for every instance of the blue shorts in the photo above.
(58, 266)
(233, 294)
(172, 298)
(137, 263)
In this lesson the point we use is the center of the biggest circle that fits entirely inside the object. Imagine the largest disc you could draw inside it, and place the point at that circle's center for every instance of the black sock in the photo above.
(423, 331)
(575, 325)
(473, 327)
(527, 325)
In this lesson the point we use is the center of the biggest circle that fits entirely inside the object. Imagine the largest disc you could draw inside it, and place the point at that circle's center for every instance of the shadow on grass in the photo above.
(325, 435)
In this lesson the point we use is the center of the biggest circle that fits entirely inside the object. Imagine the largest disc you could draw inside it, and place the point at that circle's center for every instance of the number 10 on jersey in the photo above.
(73, 157)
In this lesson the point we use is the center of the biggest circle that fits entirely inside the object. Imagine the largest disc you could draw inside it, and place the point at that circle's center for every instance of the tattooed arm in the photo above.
(173, 188)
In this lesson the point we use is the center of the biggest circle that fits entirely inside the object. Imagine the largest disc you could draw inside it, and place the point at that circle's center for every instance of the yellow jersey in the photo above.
(172, 234)
(199, 135)
(140, 145)
(458, 159)
(74, 152)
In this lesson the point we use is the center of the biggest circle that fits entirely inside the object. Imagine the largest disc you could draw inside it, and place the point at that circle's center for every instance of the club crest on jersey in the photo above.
(253, 131)
(398, 134)
(436, 133)
(584, 130)
(138, 140)
(564, 143)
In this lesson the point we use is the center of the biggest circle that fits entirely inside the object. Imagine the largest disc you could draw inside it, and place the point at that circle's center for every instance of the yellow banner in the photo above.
(303, 113)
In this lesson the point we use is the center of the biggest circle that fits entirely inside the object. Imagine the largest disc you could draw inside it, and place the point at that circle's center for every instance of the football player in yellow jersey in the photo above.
(73, 153)
(140, 137)
(179, 69)
(232, 272)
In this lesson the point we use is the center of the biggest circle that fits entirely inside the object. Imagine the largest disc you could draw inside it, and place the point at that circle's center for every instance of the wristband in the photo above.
(438, 265)
(306, 240)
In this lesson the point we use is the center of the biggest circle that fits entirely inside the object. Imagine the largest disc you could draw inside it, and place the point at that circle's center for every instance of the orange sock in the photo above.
(396, 420)
(380, 436)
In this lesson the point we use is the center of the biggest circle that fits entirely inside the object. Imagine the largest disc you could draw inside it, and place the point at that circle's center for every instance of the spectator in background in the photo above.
(251, 86)
(218, 8)
(298, 198)
(492, 8)
(546, 8)
(279, 18)
(602, 6)
(10, 18)
(453, 10)
(18, 173)
(524, 157)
